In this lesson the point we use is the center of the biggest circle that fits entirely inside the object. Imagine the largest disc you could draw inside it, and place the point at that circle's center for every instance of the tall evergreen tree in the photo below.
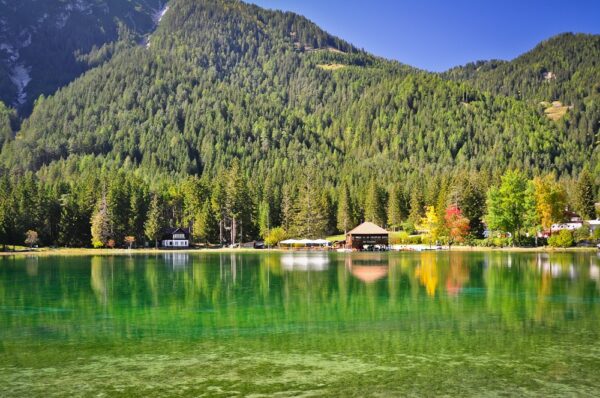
(416, 207)
(585, 195)
(345, 210)
(469, 194)
(101, 224)
(396, 212)
(375, 210)
(206, 226)
(155, 220)
(310, 220)
(264, 219)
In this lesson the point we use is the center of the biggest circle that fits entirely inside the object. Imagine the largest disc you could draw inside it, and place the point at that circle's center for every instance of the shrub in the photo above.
(275, 236)
(401, 237)
(582, 234)
(415, 240)
(408, 227)
(562, 239)
(596, 234)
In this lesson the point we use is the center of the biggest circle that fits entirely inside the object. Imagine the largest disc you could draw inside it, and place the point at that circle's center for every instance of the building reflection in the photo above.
(176, 261)
(368, 267)
(233, 290)
(317, 261)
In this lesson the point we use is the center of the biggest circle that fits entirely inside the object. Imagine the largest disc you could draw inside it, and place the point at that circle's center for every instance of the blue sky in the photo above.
(436, 35)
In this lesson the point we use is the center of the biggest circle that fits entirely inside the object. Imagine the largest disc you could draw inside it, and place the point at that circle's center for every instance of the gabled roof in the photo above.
(171, 231)
(368, 228)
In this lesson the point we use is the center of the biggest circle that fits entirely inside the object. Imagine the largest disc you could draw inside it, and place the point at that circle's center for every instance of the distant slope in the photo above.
(221, 79)
(565, 68)
(561, 76)
(41, 42)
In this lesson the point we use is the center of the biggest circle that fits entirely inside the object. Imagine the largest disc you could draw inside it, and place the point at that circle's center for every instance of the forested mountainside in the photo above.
(561, 76)
(564, 68)
(45, 44)
(266, 111)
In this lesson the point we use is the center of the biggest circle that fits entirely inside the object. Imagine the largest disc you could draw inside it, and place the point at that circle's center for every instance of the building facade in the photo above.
(367, 236)
(175, 238)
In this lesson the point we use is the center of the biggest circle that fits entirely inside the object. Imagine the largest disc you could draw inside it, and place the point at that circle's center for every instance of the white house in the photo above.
(175, 238)
(571, 226)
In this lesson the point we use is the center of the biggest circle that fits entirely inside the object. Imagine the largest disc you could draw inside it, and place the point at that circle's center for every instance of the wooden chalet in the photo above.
(366, 235)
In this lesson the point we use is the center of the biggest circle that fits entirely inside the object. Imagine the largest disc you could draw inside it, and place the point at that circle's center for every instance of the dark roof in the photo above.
(172, 231)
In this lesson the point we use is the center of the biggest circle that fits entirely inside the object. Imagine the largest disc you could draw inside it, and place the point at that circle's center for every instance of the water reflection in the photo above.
(305, 261)
(176, 260)
(368, 267)
(202, 293)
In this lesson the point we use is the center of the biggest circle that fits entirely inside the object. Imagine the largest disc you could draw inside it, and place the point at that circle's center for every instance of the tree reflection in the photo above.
(209, 293)
(427, 272)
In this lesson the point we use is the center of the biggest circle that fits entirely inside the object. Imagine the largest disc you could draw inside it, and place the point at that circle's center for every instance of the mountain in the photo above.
(44, 44)
(229, 92)
(222, 79)
(565, 68)
(561, 76)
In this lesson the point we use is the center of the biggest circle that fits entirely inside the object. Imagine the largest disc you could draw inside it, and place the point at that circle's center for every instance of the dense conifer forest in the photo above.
(242, 123)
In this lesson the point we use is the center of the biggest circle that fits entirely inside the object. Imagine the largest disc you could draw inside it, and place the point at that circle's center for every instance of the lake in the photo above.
(301, 324)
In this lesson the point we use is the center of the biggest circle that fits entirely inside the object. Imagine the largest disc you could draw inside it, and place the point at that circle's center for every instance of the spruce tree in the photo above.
(395, 212)
(584, 196)
(375, 204)
(345, 210)
(310, 220)
(101, 224)
(264, 219)
(154, 221)
(416, 208)
(205, 224)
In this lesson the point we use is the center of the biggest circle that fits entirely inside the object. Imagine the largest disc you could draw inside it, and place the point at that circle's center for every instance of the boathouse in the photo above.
(367, 235)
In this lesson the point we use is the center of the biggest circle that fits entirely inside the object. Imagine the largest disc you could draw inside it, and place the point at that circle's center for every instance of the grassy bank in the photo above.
(127, 252)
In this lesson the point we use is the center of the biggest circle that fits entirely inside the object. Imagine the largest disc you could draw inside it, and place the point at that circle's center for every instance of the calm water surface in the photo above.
(397, 324)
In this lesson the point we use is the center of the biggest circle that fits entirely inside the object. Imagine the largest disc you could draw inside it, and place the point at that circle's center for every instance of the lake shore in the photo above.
(126, 252)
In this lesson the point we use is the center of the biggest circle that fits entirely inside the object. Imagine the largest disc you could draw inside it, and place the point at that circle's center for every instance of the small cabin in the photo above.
(175, 238)
(367, 236)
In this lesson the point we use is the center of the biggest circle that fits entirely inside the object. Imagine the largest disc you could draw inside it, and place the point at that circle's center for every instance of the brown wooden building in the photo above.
(366, 234)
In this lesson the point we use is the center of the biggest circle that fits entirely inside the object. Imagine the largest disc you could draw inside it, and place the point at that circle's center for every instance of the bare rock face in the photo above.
(42, 42)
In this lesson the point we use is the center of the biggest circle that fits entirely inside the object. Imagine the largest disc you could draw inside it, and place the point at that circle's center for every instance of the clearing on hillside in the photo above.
(331, 66)
(556, 110)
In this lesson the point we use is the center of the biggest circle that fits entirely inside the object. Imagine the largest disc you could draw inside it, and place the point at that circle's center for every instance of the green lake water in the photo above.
(301, 324)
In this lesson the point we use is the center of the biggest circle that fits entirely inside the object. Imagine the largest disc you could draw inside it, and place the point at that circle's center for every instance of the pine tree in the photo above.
(395, 211)
(118, 206)
(101, 224)
(345, 210)
(288, 208)
(375, 204)
(6, 211)
(584, 196)
(310, 221)
(154, 221)
(469, 194)
(441, 206)
(138, 209)
(205, 224)
(329, 211)
(238, 203)
(416, 208)
(264, 218)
